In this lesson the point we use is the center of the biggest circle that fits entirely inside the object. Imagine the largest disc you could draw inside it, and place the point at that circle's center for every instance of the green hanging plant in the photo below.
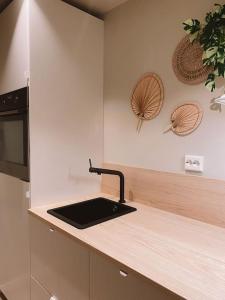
(211, 36)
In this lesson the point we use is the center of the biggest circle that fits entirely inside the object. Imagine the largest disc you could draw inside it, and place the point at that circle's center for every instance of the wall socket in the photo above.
(194, 163)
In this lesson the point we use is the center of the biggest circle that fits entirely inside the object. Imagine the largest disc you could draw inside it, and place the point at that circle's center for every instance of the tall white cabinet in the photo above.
(66, 100)
(14, 246)
(59, 50)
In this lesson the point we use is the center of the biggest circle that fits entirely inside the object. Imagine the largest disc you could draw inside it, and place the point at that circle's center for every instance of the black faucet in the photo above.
(100, 171)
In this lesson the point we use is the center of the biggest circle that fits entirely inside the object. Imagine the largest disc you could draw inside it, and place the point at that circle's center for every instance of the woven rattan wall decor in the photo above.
(187, 62)
(147, 98)
(185, 119)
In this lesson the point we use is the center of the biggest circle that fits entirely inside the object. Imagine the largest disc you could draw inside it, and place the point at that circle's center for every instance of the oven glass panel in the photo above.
(12, 141)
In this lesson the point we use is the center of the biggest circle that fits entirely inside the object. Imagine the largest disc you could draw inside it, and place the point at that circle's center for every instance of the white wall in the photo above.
(14, 257)
(141, 36)
(66, 106)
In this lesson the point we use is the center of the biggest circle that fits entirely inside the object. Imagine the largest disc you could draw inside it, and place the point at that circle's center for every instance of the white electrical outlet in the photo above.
(194, 163)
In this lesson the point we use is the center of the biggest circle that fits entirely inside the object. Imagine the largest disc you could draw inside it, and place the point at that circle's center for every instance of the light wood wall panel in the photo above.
(187, 195)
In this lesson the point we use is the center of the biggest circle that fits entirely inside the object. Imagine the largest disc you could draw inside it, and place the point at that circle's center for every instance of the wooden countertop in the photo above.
(183, 255)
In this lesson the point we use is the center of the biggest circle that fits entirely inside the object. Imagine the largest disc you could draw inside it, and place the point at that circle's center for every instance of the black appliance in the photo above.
(14, 154)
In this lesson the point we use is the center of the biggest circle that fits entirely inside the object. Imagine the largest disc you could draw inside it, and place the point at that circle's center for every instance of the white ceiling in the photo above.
(99, 6)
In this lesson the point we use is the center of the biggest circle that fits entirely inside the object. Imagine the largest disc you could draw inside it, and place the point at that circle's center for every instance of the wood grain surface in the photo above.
(183, 255)
(191, 196)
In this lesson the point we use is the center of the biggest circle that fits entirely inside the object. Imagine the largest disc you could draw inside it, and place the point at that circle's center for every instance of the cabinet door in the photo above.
(74, 268)
(44, 255)
(38, 292)
(58, 262)
(109, 282)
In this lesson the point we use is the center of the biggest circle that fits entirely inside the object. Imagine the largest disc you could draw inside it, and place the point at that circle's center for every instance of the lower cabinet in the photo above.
(38, 292)
(58, 263)
(110, 281)
(65, 270)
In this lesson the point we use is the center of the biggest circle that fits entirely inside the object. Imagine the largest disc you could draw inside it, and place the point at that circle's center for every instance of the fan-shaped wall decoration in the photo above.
(147, 98)
(187, 62)
(185, 119)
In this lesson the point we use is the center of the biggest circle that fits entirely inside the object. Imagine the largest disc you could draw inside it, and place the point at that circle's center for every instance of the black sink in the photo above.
(91, 212)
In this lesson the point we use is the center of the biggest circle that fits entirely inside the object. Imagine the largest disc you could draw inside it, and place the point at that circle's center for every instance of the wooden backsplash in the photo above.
(191, 196)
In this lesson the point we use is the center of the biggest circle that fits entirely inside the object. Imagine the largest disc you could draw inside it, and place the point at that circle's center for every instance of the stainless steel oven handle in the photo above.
(11, 112)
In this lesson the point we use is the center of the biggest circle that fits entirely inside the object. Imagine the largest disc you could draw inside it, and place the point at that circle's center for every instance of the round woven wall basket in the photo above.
(187, 62)
(185, 119)
(147, 98)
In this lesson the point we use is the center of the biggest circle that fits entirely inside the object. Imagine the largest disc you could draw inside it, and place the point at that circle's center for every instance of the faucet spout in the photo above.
(100, 171)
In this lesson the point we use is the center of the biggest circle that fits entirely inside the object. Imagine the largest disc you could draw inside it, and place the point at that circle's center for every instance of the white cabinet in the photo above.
(62, 267)
(110, 281)
(58, 263)
(38, 292)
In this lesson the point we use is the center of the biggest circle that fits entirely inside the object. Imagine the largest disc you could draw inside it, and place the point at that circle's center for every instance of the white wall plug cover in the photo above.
(194, 163)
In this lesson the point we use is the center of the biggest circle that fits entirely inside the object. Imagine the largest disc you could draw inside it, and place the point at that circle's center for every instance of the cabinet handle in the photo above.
(52, 230)
(53, 298)
(123, 273)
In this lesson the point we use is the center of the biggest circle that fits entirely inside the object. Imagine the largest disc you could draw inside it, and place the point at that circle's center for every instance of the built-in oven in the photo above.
(14, 145)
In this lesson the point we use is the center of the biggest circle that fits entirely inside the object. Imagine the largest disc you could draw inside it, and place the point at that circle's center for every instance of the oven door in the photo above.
(14, 144)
